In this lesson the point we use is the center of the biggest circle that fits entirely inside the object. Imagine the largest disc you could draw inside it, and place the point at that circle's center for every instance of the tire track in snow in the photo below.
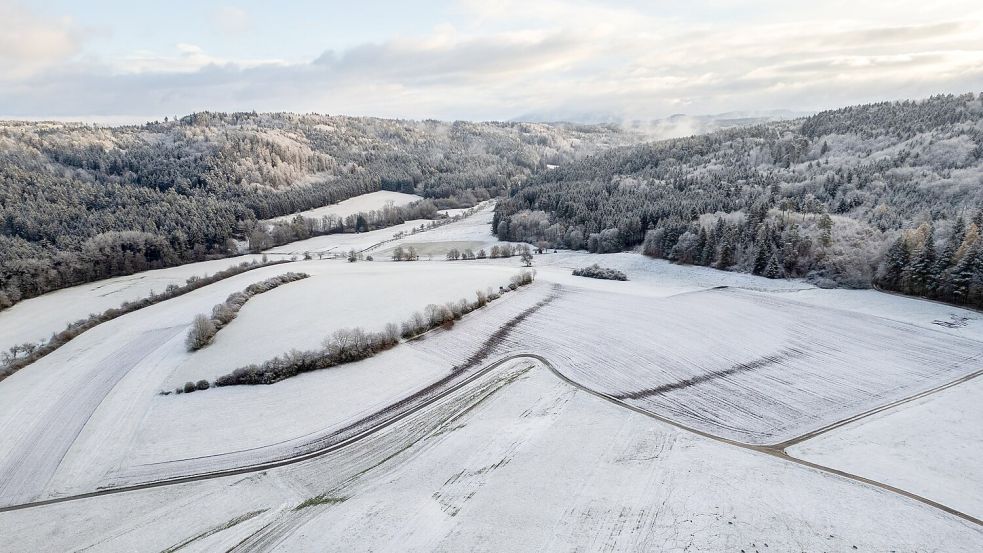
(768, 450)
(25, 474)
(259, 467)
(767, 360)
(500, 339)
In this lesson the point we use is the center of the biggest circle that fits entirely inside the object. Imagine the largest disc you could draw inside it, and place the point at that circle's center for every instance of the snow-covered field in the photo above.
(38, 318)
(338, 295)
(517, 461)
(342, 243)
(471, 232)
(359, 204)
(749, 366)
(435, 445)
(930, 446)
(113, 373)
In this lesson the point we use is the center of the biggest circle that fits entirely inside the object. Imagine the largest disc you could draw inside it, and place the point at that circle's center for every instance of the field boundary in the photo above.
(75, 330)
(772, 451)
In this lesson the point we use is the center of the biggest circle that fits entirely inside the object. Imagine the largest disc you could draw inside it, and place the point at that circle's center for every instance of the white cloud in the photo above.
(501, 58)
(29, 44)
(185, 58)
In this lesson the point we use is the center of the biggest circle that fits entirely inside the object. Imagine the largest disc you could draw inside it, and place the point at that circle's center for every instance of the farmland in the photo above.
(655, 413)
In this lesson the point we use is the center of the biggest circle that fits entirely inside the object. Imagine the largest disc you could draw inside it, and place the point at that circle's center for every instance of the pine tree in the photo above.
(774, 267)
(943, 286)
(895, 262)
(826, 226)
(951, 245)
(361, 225)
(961, 277)
(725, 259)
(922, 274)
(709, 253)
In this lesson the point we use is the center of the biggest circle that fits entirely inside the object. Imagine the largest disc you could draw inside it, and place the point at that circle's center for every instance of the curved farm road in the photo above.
(776, 450)
(32, 465)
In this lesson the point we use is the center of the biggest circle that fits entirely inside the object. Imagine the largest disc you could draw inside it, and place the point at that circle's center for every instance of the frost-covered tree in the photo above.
(201, 333)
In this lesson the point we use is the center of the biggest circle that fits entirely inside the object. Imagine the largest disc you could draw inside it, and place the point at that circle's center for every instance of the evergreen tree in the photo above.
(826, 225)
(922, 274)
(895, 263)
(725, 259)
(774, 268)
(961, 278)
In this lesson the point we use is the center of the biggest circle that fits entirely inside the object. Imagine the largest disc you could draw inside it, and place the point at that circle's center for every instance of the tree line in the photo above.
(80, 203)
(848, 197)
(354, 344)
(19, 356)
(204, 328)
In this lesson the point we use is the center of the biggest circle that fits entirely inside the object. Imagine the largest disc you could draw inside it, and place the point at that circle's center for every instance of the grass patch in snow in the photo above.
(215, 530)
(323, 499)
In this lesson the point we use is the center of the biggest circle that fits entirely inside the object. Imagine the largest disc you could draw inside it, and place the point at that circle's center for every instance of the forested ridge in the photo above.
(81, 202)
(887, 194)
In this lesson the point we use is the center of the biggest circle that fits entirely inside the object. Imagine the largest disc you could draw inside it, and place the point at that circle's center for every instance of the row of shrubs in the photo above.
(19, 356)
(506, 250)
(596, 271)
(190, 387)
(204, 328)
(429, 226)
(354, 344)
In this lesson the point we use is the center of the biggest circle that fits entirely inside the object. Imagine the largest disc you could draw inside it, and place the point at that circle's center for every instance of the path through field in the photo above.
(32, 463)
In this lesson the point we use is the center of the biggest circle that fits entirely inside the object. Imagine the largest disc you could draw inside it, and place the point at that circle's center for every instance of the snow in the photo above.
(99, 391)
(927, 314)
(517, 461)
(470, 232)
(516, 458)
(380, 243)
(342, 243)
(337, 295)
(929, 446)
(38, 318)
(91, 374)
(359, 204)
(744, 365)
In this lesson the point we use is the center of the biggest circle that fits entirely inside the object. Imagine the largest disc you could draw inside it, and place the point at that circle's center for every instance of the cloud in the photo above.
(29, 44)
(185, 58)
(445, 59)
(501, 58)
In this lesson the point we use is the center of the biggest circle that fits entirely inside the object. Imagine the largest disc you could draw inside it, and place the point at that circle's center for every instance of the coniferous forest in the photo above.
(80, 203)
(886, 194)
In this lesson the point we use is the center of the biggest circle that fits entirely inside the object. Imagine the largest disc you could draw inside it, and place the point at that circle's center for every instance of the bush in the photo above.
(353, 344)
(201, 385)
(596, 271)
(201, 333)
(40, 349)
(203, 329)
(189, 387)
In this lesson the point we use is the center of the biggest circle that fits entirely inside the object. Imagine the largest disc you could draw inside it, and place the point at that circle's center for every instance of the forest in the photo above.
(887, 194)
(81, 202)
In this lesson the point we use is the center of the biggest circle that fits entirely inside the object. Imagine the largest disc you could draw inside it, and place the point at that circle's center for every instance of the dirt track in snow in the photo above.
(354, 440)
(28, 470)
(432, 394)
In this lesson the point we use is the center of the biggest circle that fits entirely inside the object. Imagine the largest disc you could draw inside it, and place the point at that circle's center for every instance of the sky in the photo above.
(126, 61)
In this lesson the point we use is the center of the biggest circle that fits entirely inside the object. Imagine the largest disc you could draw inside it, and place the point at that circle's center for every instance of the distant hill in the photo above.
(887, 193)
(80, 202)
(674, 126)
